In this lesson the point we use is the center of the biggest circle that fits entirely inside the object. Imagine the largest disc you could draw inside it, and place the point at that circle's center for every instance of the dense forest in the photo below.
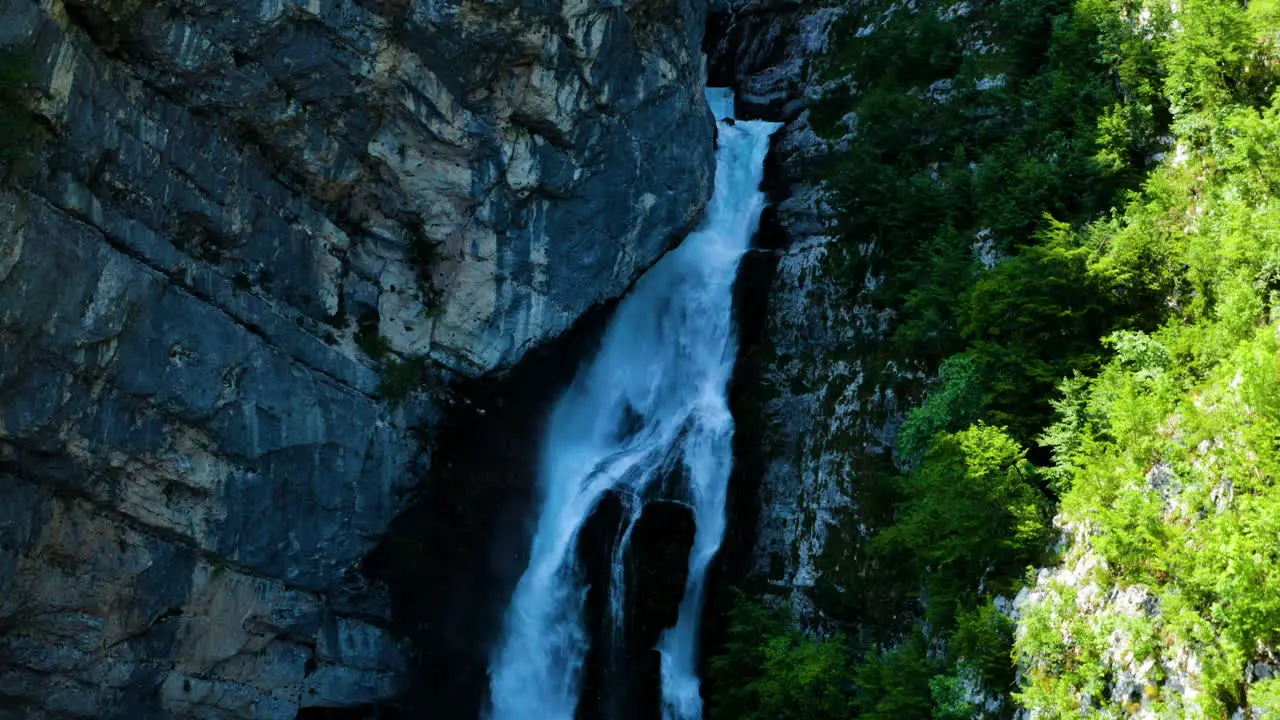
(1065, 213)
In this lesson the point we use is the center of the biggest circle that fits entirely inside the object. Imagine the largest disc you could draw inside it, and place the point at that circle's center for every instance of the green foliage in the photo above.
(1167, 454)
(955, 401)
(1088, 252)
(964, 134)
(957, 159)
(768, 671)
(1030, 321)
(981, 645)
(951, 698)
(895, 683)
(971, 512)
(803, 678)
(1264, 697)
(1216, 60)
(1176, 477)
(1066, 434)
(401, 377)
(954, 147)
(742, 659)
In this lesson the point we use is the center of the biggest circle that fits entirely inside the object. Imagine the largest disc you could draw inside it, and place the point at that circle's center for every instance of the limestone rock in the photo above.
(488, 170)
(194, 457)
(809, 384)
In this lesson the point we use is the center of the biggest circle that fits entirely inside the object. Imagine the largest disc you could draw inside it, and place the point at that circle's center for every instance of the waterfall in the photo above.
(651, 405)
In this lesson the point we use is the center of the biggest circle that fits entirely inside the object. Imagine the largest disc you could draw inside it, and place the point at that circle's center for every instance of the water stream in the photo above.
(650, 407)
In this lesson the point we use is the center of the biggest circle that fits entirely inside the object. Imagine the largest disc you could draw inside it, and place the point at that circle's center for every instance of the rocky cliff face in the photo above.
(232, 200)
(801, 379)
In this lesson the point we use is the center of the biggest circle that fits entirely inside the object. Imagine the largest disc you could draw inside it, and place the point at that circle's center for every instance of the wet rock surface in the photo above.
(792, 382)
(623, 674)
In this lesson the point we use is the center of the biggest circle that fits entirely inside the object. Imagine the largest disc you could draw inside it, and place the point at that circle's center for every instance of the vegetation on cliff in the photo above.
(1070, 209)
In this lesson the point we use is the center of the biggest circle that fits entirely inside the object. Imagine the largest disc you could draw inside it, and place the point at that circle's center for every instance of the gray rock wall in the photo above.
(808, 389)
(184, 500)
(194, 457)
(478, 173)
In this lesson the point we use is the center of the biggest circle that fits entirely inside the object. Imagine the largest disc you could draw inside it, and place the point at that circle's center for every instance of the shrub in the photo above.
(401, 377)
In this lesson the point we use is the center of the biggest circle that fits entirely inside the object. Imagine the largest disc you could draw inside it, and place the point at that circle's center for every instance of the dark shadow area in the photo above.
(452, 558)
(362, 712)
(604, 669)
(746, 40)
(622, 675)
(658, 563)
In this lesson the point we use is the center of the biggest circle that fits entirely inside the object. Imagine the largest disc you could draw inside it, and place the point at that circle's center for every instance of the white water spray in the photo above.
(653, 400)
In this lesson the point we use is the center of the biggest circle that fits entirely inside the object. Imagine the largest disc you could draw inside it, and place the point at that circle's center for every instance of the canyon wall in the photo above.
(798, 373)
(231, 213)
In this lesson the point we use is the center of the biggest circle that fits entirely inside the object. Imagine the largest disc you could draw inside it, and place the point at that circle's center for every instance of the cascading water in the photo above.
(652, 404)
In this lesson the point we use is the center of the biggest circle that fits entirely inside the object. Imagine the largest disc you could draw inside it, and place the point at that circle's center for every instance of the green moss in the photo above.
(400, 378)
(424, 256)
(368, 338)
